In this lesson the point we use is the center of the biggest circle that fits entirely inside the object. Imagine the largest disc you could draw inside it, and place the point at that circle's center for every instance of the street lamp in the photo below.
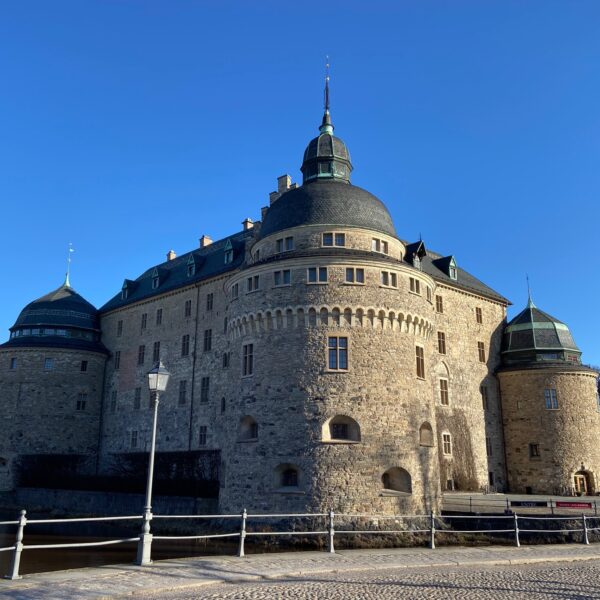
(158, 378)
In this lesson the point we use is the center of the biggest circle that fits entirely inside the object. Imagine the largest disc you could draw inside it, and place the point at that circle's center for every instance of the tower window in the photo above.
(235, 290)
(534, 451)
(117, 360)
(415, 286)
(252, 283)
(481, 351)
(478, 315)
(141, 354)
(551, 399)
(389, 279)
(488, 446)
(334, 239)
(48, 364)
(282, 277)
(420, 359)
(355, 275)
(13, 364)
(144, 321)
(185, 345)
(316, 275)
(159, 315)
(444, 396)
(113, 401)
(156, 352)
(338, 353)
(441, 342)
(439, 304)
(188, 308)
(84, 366)
(204, 389)
(226, 359)
(484, 396)
(247, 360)
(447, 444)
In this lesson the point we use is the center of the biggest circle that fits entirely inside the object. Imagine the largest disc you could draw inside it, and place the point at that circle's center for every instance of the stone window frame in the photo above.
(185, 345)
(144, 321)
(420, 361)
(444, 391)
(391, 277)
(429, 294)
(481, 351)
(339, 351)
(281, 274)
(204, 389)
(534, 451)
(318, 272)
(356, 273)
(380, 246)
(441, 342)
(551, 399)
(252, 284)
(478, 315)
(447, 449)
(428, 442)
(336, 236)
(439, 304)
(414, 286)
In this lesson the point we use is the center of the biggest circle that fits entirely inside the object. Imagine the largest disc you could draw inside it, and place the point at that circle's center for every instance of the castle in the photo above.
(327, 362)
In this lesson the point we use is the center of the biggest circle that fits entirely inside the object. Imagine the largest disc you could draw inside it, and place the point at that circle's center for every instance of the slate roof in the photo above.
(209, 261)
(327, 202)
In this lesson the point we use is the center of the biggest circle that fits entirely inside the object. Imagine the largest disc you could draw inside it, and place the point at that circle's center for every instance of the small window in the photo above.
(316, 275)
(141, 354)
(156, 352)
(202, 435)
(185, 345)
(226, 359)
(137, 398)
(13, 364)
(188, 308)
(415, 285)
(182, 392)
(447, 444)
(484, 396)
(328, 239)
(159, 315)
(117, 360)
(191, 266)
(429, 293)
(389, 279)
(119, 328)
(478, 315)
(355, 275)
(444, 396)
(204, 389)
(81, 401)
(144, 321)
(453, 272)
(551, 399)
(334, 239)
(534, 451)
(488, 446)
(289, 477)
(228, 256)
(289, 243)
(282, 277)
(481, 351)
(376, 245)
(84, 366)
(252, 283)
(340, 239)
(420, 358)
(133, 439)
(247, 360)
(341, 428)
(235, 290)
(441, 342)
(338, 353)
(426, 435)
(248, 429)
(209, 302)
(48, 364)
(113, 401)
(207, 340)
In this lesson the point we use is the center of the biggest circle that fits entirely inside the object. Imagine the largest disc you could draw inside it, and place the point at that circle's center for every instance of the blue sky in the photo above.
(132, 127)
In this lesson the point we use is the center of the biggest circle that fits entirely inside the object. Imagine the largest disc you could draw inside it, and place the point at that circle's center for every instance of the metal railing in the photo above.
(477, 503)
(430, 524)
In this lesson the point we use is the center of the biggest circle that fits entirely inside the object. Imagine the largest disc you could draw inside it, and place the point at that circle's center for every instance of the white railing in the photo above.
(478, 503)
(431, 524)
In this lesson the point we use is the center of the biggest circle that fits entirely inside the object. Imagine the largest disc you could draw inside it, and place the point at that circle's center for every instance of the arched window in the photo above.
(426, 435)
(287, 476)
(341, 428)
(397, 479)
(248, 429)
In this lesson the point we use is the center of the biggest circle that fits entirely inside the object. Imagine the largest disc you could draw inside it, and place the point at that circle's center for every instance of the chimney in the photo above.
(263, 212)
(247, 223)
(205, 240)
(283, 183)
(171, 255)
(273, 197)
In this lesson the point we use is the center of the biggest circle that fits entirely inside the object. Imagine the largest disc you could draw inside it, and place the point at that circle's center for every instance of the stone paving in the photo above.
(191, 574)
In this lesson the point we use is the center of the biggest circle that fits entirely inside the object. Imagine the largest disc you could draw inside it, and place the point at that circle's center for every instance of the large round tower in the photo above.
(550, 408)
(51, 380)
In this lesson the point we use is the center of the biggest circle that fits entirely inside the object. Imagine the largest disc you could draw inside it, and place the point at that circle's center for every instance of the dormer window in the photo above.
(191, 266)
(416, 261)
(228, 256)
(155, 278)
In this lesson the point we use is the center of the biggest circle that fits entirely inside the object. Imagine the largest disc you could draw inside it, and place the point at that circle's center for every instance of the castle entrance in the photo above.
(582, 483)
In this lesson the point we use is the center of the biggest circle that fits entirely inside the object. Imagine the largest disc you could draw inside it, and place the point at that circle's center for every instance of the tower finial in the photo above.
(530, 303)
(67, 283)
(326, 125)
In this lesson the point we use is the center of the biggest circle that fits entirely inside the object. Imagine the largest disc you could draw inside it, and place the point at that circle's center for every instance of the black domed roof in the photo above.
(328, 202)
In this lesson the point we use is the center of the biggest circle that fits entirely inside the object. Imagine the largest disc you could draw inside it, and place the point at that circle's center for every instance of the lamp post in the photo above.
(158, 378)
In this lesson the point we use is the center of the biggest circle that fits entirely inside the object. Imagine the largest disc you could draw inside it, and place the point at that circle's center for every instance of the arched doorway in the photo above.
(582, 483)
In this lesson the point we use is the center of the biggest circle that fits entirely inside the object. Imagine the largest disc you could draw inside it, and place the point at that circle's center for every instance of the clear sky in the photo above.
(132, 127)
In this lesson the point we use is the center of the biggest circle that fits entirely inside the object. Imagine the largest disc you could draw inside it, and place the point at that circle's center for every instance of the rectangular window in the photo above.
(144, 321)
(207, 340)
(188, 308)
(328, 239)
(334, 239)
(478, 315)
(415, 286)
(439, 304)
(338, 353)
(117, 360)
(113, 401)
(340, 239)
(204, 389)
(444, 396)
(376, 245)
(13, 364)
(156, 352)
(488, 446)
(428, 294)
(447, 444)
(235, 290)
(182, 392)
(202, 435)
(133, 439)
(159, 316)
(84, 366)
(81, 401)
(137, 398)
(282, 277)
(481, 351)
(185, 345)
(420, 357)
(534, 450)
(119, 328)
(551, 399)
(389, 279)
(279, 245)
(226, 359)
(316, 275)
(247, 359)
(441, 342)
(252, 283)
(141, 354)
(484, 396)
(355, 275)
(209, 301)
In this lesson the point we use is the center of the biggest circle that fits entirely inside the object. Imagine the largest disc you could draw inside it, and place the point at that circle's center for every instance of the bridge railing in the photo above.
(249, 525)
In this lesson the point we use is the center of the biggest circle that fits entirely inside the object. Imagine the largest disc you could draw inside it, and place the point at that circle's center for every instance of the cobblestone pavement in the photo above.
(559, 581)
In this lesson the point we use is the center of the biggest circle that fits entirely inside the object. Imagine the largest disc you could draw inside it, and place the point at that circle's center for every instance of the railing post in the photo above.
(331, 532)
(241, 551)
(507, 506)
(14, 571)
(432, 530)
(551, 507)
(144, 548)
(586, 539)
(517, 541)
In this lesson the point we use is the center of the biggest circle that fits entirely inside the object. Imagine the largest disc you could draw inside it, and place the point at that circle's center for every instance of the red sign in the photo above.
(573, 505)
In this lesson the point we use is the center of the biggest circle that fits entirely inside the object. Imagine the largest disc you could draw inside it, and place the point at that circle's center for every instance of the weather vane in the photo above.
(327, 83)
